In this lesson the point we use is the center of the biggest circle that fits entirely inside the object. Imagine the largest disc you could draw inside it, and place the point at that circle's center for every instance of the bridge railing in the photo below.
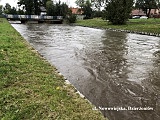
(33, 17)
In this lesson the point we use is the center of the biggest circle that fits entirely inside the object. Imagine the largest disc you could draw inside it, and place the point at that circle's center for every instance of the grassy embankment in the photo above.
(30, 88)
(136, 25)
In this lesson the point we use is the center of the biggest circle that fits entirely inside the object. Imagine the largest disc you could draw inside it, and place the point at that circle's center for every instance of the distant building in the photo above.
(154, 11)
(78, 12)
(139, 12)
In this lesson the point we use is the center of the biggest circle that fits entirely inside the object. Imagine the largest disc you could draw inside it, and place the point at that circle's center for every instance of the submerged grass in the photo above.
(30, 88)
(137, 25)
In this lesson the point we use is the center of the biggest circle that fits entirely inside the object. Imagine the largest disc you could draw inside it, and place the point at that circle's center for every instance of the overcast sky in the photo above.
(14, 2)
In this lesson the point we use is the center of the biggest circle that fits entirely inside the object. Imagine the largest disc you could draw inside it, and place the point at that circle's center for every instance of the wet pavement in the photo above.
(118, 72)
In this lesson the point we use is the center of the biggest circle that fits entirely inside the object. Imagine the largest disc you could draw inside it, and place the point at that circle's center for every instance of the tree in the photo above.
(36, 4)
(7, 8)
(72, 18)
(31, 6)
(13, 11)
(57, 9)
(1, 10)
(20, 12)
(86, 7)
(65, 10)
(27, 6)
(50, 7)
(87, 10)
(80, 3)
(44, 2)
(118, 11)
(147, 5)
(98, 4)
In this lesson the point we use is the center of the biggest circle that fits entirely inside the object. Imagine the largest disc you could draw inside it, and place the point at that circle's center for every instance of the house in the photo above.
(139, 12)
(154, 11)
(78, 12)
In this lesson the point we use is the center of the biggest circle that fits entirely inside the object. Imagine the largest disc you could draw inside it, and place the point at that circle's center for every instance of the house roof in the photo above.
(76, 11)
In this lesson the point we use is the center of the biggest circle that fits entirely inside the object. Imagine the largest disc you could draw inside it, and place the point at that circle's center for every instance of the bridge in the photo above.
(38, 18)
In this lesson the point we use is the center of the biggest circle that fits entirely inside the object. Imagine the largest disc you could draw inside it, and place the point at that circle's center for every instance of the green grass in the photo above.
(137, 25)
(31, 89)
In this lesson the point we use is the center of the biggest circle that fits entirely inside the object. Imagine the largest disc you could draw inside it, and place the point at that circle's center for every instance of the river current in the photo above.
(118, 72)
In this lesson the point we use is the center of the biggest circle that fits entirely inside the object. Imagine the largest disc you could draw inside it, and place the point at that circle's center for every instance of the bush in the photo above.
(72, 18)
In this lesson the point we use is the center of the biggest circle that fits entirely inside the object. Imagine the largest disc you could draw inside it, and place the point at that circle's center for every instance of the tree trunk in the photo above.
(149, 11)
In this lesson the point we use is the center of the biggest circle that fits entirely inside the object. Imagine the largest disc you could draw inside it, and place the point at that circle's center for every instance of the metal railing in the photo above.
(32, 17)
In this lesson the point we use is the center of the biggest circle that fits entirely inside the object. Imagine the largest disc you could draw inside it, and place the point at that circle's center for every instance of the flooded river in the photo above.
(118, 72)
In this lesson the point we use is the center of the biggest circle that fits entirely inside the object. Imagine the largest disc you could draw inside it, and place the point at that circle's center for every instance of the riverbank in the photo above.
(139, 26)
(31, 88)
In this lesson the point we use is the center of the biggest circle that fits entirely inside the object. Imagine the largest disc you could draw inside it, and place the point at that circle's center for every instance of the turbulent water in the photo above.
(118, 72)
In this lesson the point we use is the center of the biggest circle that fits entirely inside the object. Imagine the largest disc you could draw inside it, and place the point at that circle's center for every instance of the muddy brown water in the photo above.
(118, 72)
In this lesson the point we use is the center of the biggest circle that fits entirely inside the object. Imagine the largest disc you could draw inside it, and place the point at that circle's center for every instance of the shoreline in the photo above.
(31, 88)
(126, 31)
(119, 28)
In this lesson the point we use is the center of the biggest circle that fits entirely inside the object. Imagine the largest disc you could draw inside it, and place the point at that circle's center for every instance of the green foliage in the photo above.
(65, 10)
(20, 12)
(53, 9)
(72, 18)
(118, 11)
(97, 14)
(27, 6)
(31, 6)
(1, 10)
(86, 8)
(98, 4)
(57, 9)
(80, 3)
(44, 2)
(95, 22)
(9, 10)
(95, 3)
(104, 14)
(50, 8)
